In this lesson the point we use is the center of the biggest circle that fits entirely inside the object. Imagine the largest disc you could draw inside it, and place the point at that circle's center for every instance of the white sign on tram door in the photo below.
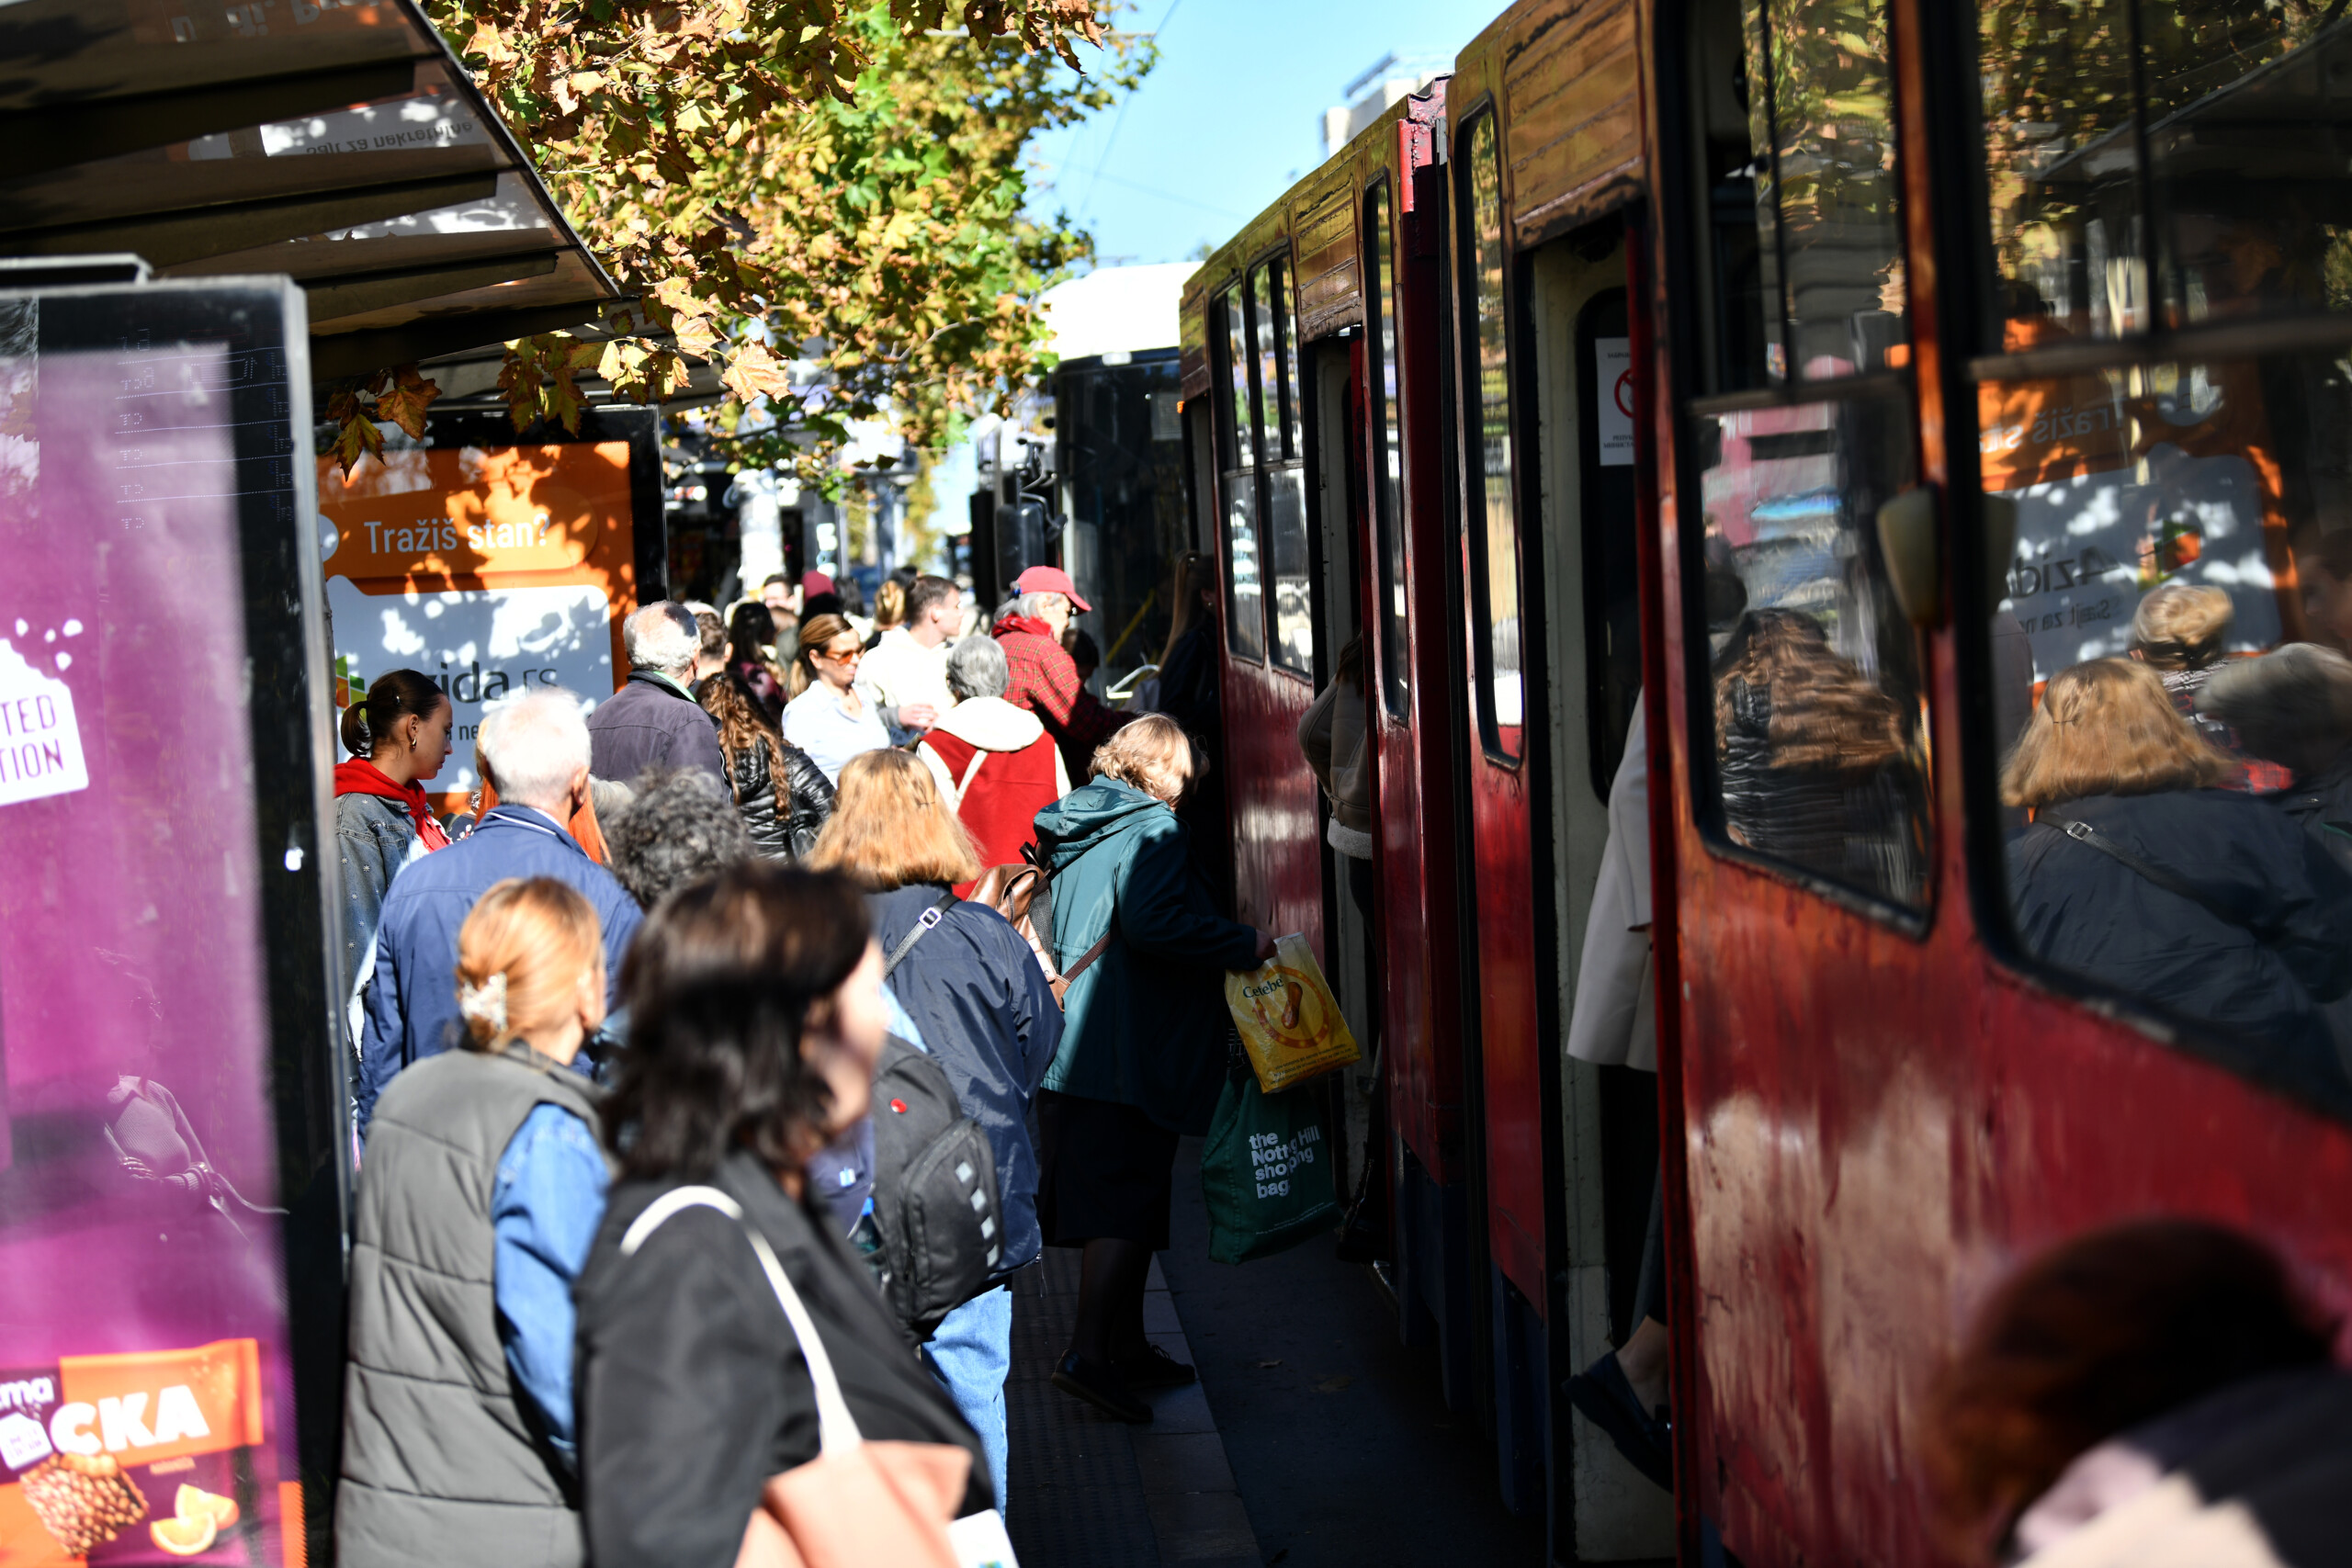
(1612, 379)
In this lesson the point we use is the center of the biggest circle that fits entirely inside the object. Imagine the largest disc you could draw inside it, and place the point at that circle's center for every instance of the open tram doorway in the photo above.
(1581, 341)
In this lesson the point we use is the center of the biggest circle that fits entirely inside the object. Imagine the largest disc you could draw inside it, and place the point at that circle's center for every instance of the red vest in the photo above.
(1000, 804)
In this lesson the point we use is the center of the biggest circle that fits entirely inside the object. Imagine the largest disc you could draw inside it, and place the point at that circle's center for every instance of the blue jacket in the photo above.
(2286, 945)
(1145, 1024)
(651, 723)
(413, 1001)
(988, 1017)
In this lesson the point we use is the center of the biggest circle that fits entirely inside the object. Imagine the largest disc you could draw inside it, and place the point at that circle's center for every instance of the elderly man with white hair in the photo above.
(536, 750)
(653, 721)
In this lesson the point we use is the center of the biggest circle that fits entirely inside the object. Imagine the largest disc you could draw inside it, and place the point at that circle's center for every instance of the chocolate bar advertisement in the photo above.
(145, 1393)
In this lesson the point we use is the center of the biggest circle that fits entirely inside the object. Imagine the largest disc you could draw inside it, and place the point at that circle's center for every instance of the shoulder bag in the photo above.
(857, 1504)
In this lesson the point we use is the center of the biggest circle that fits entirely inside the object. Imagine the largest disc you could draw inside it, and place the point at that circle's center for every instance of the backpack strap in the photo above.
(2171, 882)
(1088, 956)
(923, 923)
(979, 755)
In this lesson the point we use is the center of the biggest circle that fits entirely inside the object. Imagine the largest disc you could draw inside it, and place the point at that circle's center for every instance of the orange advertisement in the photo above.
(488, 570)
(158, 1404)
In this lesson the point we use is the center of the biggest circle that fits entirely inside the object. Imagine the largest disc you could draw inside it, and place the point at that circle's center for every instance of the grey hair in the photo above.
(2292, 706)
(678, 827)
(662, 636)
(1035, 605)
(976, 667)
(534, 746)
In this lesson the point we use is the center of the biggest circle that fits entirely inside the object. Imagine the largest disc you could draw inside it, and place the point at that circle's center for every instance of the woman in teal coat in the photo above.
(1142, 1052)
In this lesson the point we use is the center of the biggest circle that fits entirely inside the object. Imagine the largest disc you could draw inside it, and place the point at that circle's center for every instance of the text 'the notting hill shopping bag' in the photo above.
(1265, 1172)
(1286, 1016)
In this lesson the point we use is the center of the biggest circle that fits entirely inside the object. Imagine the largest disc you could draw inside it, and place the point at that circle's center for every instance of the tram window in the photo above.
(2188, 781)
(2239, 210)
(1818, 754)
(1388, 497)
(1494, 527)
(1794, 101)
(1281, 463)
(1245, 603)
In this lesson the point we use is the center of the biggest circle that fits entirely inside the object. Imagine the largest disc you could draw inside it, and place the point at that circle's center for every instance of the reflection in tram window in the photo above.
(2181, 522)
(1820, 758)
(1388, 459)
(2243, 131)
(1281, 462)
(1494, 526)
(1821, 115)
(1245, 603)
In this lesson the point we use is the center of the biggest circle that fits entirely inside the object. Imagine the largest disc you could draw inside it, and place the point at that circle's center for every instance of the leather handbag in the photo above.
(857, 1504)
(1023, 894)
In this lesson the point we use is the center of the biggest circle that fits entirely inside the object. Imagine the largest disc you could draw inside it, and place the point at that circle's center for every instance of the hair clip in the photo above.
(485, 1003)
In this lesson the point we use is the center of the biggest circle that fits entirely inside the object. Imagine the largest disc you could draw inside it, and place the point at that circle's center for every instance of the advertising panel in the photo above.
(158, 822)
(488, 569)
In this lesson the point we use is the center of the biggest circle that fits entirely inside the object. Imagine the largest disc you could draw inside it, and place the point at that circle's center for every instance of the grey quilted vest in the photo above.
(439, 1466)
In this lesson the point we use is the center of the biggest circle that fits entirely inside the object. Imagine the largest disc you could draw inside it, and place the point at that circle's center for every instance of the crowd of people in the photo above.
(631, 1208)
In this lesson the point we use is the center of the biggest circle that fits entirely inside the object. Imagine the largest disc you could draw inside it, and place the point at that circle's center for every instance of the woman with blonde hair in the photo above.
(1142, 1053)
(484, 1187)
(978, 996)
(827, 717)
(2140, 871)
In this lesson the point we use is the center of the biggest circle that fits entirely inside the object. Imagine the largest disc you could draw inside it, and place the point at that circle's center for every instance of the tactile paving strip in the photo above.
(1078, 1498)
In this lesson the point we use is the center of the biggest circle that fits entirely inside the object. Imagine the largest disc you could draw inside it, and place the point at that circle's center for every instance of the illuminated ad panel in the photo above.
(147, 441)
(489, 570)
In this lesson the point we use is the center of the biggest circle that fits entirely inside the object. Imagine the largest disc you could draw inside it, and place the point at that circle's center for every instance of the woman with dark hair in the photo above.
(693, 1389)
(827, 716)
(750, 633)
(398, 736)
(2163, 1381)
(2142, 871)
(782, 796)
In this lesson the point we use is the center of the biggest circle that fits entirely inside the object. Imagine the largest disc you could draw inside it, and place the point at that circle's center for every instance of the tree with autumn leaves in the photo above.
(829, 183)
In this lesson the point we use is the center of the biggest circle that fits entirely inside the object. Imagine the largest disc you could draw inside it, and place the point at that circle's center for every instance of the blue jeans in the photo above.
(971, 1354)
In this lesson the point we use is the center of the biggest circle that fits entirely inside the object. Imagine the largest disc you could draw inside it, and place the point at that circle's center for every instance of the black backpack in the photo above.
(935, 1203)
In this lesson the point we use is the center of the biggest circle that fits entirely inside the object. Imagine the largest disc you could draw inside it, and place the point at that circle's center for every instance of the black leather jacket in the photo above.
(812, 799)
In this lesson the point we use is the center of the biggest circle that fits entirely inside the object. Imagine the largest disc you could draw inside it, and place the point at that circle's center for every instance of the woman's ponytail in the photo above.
(355, 736)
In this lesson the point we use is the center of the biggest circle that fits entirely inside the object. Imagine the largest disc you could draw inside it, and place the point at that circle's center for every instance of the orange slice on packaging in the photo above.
(196, 1503)
(185, 1538)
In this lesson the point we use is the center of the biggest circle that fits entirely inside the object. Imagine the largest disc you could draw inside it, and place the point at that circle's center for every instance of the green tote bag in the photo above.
(1265, 1172)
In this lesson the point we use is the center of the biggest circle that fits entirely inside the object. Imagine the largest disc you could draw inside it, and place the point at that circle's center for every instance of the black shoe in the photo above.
(1100, 1386)
(1155, 1369)
(1601, 1394)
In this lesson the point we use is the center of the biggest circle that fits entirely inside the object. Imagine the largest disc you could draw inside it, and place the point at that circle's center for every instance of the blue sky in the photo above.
(1230, 117)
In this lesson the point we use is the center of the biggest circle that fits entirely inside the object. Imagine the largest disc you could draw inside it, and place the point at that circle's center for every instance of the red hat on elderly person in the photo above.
(815, 583)
(1049, 580)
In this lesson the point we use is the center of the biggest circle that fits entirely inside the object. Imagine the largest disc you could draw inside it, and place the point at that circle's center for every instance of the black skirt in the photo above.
(1106, 1172)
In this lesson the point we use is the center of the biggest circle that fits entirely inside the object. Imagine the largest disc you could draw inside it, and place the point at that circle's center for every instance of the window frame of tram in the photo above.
(2145, 420)
(1488, 364)
(1384, 436)
(1236, 404)
(1790, 226)
(1282, 528)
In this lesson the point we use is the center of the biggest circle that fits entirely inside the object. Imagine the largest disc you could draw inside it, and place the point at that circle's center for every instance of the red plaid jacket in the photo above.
(1045, 680)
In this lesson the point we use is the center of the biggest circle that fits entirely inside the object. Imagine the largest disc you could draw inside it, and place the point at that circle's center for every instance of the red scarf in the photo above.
(360, 776)
(1029, 624)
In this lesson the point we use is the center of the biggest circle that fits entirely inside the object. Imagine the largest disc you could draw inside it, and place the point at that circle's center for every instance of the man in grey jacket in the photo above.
(653, 721)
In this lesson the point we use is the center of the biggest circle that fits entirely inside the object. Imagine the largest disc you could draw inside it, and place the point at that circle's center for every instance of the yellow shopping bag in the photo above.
(1288, 1019)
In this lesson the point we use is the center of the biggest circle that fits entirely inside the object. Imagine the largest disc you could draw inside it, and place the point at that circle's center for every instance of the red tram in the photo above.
(1594, 369)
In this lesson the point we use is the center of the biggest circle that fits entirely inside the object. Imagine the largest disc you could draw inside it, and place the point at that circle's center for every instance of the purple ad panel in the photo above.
(146, 1396)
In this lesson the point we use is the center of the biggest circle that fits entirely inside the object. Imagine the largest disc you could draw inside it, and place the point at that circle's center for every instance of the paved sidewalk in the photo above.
(1089, 1492)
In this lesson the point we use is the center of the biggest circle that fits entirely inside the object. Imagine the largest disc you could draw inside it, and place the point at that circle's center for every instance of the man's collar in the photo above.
(529, 816)
(655, 678)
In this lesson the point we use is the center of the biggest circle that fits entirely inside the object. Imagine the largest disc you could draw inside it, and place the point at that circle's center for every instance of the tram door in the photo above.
(1586, 493)
(1414, 659)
